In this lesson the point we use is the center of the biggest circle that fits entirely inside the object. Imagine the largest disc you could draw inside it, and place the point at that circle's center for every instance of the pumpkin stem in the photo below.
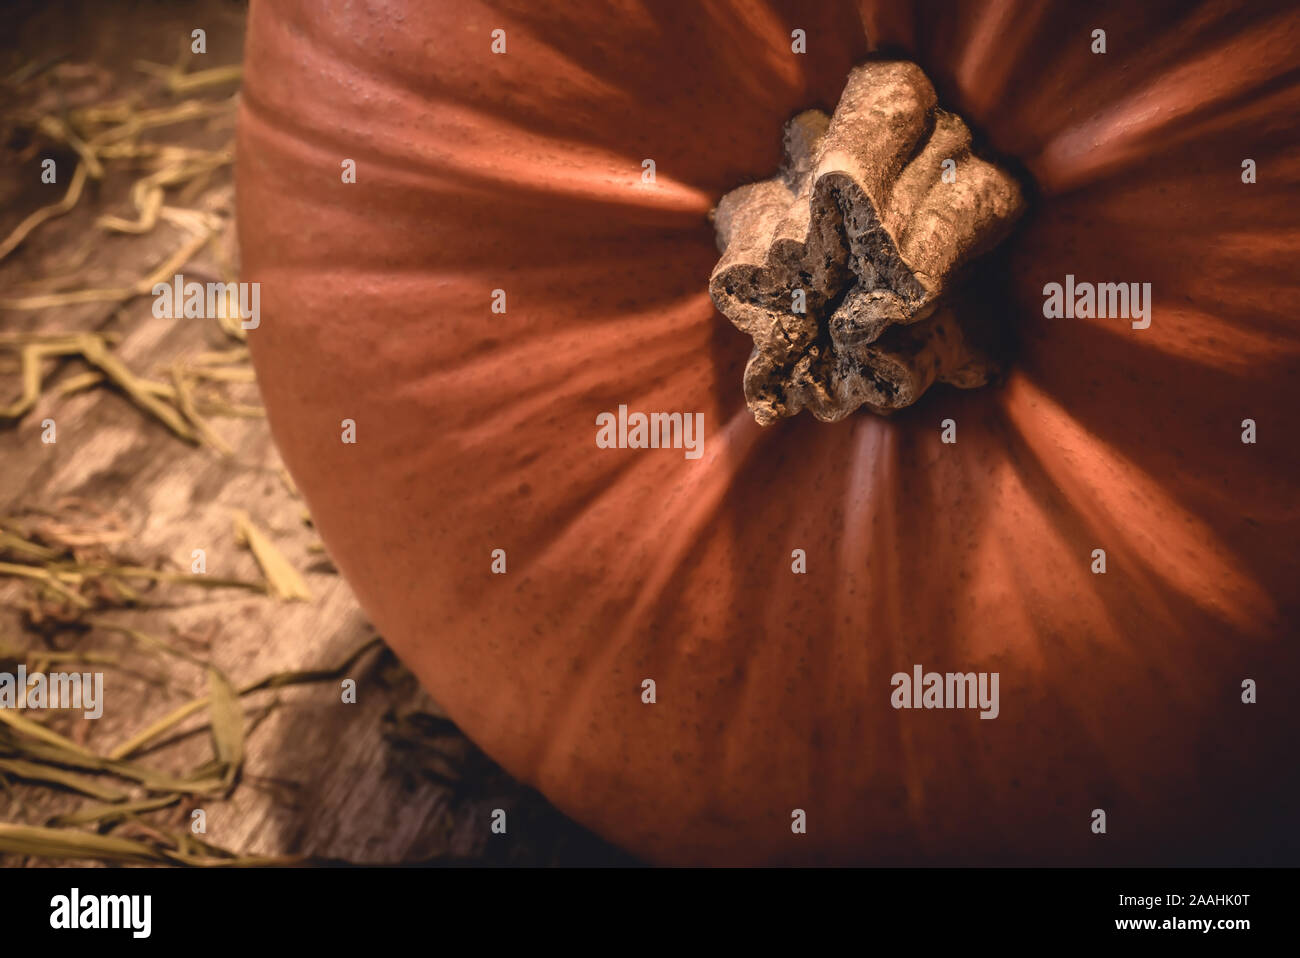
(842, 266)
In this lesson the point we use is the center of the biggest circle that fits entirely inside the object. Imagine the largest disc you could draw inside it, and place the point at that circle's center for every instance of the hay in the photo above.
(69, 572)
(106, 137)
(123, 788)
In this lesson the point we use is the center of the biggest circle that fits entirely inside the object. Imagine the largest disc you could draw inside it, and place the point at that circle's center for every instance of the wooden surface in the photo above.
(321, 778)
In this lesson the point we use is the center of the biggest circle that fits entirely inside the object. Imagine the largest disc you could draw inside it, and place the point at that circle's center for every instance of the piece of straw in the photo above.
(282, 579)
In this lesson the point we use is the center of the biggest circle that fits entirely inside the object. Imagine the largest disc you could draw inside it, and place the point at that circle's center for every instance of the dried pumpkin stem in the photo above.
(841, 268)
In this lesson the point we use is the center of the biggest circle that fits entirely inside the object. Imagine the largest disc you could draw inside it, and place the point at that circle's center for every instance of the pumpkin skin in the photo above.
(475, 430)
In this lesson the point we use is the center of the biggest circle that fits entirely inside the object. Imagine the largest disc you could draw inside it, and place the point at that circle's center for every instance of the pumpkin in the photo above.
(535, 581)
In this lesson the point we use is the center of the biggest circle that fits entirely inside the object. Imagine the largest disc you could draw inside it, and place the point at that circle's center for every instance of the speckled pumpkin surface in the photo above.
(475, 430)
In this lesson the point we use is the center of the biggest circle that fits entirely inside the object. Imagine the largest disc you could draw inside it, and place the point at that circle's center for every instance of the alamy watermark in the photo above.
(133, 913)
(947, 690)
(55, 690)
(181, 300)
(656, 430)
(1098, 301)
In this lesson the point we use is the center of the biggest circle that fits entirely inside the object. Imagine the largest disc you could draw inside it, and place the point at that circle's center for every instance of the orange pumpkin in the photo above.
(521, 171)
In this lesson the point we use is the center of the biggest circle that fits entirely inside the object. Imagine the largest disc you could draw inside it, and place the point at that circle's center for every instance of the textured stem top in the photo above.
(841, 267)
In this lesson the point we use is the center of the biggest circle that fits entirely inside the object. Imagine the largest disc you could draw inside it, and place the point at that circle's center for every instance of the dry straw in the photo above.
(107, 136)
(62, 557)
